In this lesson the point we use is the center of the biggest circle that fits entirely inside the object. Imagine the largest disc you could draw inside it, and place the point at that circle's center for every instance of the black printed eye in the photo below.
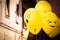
(55, 22)
(49, 21)
(27, 20)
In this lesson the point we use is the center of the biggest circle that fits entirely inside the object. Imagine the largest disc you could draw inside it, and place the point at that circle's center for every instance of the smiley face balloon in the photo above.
(56, 31)
(50, 24)
(43, 6)
(32, 20)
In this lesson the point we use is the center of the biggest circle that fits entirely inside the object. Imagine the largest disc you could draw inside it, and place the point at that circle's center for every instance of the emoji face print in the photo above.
(50, 24)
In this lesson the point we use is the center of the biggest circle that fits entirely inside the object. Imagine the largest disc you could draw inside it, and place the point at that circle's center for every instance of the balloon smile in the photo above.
(52, 26)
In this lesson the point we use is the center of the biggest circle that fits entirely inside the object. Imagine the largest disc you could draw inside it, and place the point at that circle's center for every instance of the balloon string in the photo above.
(35, 36)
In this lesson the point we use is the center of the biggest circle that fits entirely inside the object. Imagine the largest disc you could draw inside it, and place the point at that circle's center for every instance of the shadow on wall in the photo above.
(55, 6)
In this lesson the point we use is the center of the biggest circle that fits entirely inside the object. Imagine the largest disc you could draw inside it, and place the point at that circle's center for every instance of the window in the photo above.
(17, 13)
(7, 4)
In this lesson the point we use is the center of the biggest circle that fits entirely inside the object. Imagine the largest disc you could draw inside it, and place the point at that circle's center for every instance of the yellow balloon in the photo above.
(50, 24)
(43, 6)
(32, 20)
(56, 31)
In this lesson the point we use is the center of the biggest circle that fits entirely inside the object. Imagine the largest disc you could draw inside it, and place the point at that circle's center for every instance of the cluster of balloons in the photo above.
(42, 17)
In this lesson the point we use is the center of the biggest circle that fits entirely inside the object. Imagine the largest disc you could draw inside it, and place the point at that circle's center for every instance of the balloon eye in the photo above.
(55, 22)
(49, 21)
(28, 16)
(27, 20)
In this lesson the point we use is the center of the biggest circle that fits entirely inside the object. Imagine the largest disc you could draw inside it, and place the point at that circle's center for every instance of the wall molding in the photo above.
(9, 28)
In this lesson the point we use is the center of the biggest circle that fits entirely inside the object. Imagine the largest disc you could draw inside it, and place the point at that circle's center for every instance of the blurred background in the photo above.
(12, 26)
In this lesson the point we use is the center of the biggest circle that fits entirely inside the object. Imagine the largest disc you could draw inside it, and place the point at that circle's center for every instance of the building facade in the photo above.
(11, 20)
